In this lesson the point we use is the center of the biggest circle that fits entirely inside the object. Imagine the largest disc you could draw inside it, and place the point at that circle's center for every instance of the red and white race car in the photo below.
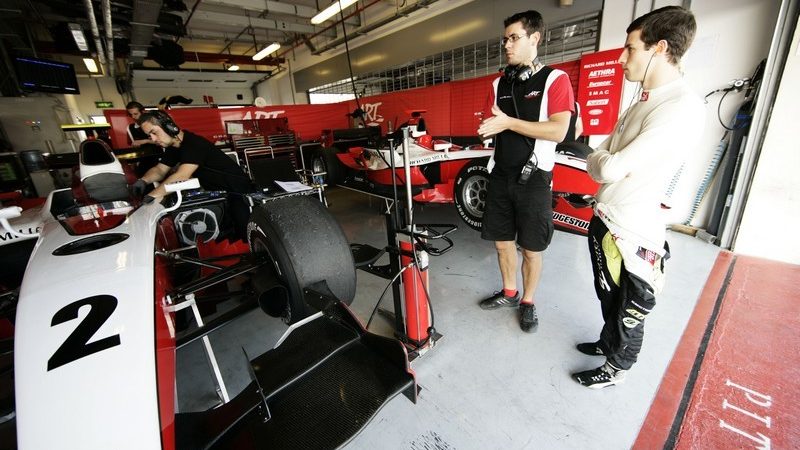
(96, 328)
(442, 172)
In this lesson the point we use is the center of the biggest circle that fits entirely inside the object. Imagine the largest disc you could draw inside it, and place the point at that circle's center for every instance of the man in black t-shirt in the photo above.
(194, 157)
(531, 106)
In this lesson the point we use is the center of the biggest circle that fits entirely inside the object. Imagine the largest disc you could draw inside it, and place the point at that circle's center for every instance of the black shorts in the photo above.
(521, 212)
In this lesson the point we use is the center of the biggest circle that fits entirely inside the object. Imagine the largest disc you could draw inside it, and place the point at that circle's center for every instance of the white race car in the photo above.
(97, 322)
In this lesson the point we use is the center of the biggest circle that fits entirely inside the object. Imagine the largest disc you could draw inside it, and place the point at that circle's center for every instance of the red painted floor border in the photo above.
(732, 381)
(656, 428)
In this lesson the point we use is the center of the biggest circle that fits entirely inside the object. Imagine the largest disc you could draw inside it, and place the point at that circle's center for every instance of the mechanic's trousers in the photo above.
(625, 299)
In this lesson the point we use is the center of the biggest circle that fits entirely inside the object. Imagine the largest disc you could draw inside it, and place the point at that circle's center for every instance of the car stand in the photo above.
(409, 250)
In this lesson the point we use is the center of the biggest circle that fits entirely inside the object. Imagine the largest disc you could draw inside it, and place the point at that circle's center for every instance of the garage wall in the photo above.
(771, 214)
(95, 90)
(473, 22)
(222, 96)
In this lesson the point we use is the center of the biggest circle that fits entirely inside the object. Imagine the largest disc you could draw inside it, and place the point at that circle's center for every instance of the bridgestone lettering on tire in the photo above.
(306, 246)
(469, 192)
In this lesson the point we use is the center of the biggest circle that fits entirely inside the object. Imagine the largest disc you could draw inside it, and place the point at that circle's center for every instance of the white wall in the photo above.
(150, 96)
(93, 90)
(278, 90)
(721, 53)
(771, 214)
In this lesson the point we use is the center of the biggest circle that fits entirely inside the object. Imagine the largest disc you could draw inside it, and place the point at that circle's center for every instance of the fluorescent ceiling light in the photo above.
(80, 38)
(91, 66)
(233, 68)
(331, 11)
(266, 51)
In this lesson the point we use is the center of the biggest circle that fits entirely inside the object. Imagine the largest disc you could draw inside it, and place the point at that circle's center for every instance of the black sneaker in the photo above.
(605, 375)
(498, 300)
(591, 349)
(528, 319)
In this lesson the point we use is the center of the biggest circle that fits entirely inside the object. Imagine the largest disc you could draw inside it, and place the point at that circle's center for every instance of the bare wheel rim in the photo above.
(474, 195)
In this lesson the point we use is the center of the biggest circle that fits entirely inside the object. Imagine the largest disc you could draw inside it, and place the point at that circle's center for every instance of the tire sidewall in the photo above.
(258, 232)
(475, 168)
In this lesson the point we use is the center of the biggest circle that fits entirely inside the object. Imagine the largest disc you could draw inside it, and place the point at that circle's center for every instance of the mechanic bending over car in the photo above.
(195, 158)
(633, 167)
(531, 108)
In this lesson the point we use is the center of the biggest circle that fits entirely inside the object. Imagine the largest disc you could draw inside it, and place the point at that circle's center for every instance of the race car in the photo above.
(98, 321)
(442, 172)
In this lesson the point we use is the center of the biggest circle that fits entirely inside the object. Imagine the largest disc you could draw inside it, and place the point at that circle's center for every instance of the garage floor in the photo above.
(487, 384)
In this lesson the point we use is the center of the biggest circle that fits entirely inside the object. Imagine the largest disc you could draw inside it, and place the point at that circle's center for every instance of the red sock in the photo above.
(509, 293)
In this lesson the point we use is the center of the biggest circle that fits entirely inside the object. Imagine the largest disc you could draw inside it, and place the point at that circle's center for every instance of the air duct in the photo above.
(106, 7)
(95, 33)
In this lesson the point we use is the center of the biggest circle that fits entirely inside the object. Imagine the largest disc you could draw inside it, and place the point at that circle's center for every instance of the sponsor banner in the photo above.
(600, 91)
(450, 110)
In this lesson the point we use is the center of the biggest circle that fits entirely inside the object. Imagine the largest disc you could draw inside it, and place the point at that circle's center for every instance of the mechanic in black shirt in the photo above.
(195, 158)
(531, 106)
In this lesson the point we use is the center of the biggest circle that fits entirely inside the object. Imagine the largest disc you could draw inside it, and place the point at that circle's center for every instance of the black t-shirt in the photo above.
(137, 133)
(511, 150)
(216, 171)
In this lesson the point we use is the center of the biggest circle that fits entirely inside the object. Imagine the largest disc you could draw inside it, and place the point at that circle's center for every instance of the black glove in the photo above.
(148, 199)
(138, 187)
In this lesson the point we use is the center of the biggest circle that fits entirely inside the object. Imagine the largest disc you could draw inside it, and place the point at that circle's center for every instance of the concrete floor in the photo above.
(487, 384)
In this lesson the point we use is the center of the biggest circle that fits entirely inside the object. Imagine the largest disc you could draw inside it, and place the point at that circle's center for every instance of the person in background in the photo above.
(633, 166)
(194, 157)
(136, 136)
(531, 107)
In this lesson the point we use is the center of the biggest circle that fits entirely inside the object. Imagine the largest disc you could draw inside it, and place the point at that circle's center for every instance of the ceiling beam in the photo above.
(238, 59)
(269, 6)
(214, 18)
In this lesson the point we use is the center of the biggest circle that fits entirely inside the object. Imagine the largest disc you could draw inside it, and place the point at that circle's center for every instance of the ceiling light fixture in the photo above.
(266, 51)
(331, 11)
(233, 67)
(91, 65)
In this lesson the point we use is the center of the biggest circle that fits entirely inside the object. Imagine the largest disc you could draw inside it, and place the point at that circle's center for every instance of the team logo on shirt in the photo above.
(645, 96)
(533, 94)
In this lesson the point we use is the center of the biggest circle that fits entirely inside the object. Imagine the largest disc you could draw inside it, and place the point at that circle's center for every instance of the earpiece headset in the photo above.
(637, 95)
(166, 123)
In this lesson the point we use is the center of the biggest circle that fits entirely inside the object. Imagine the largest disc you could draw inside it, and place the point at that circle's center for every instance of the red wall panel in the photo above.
(450, 111)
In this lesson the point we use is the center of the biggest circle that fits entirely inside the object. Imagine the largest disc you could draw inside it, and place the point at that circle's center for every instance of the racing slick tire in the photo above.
(306, 245)
(469, 192)
(325, 160)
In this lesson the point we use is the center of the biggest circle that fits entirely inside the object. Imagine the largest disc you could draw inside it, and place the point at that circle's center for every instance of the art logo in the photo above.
(371, 109)
(264, 115)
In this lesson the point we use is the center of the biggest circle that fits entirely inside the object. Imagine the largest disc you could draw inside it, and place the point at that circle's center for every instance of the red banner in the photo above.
(600, 91)
(450, 111)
